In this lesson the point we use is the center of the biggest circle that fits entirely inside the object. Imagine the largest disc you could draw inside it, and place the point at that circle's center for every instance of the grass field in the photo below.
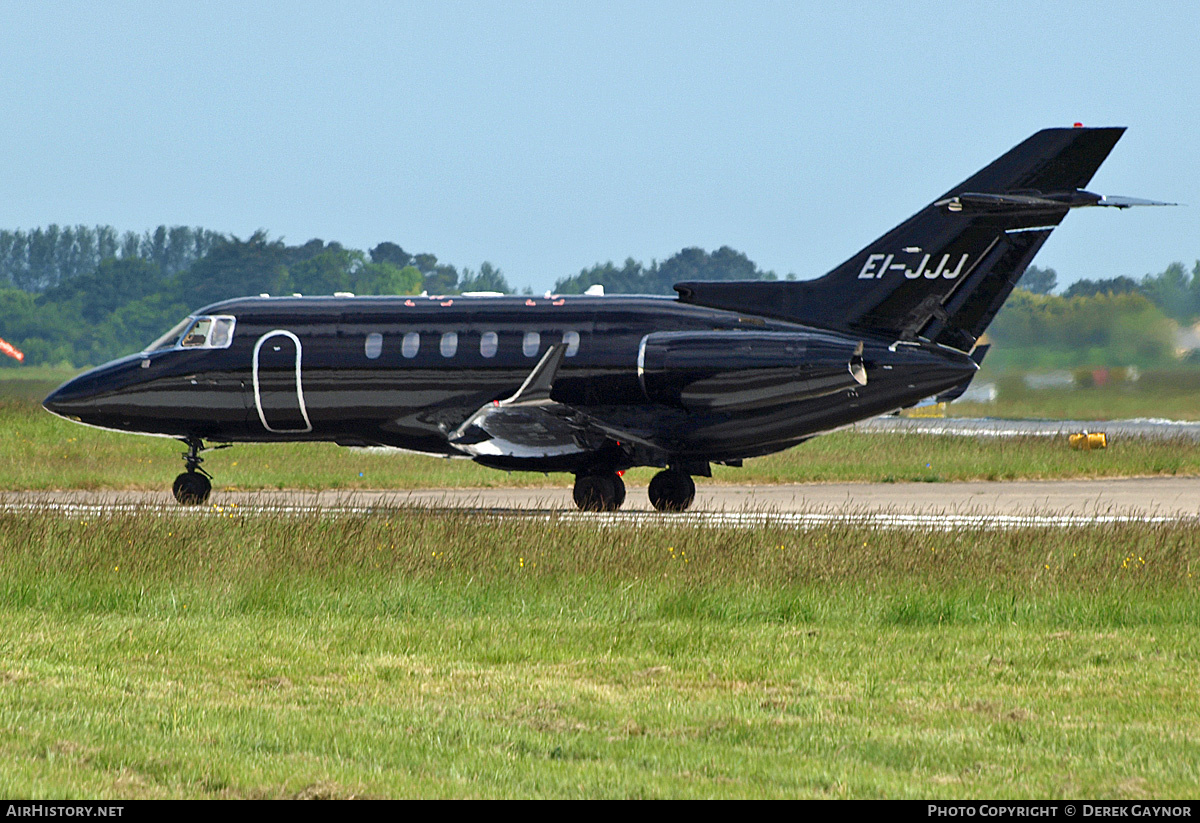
(410, 654)
(407, 654)
(41, 451)
(1168, 393)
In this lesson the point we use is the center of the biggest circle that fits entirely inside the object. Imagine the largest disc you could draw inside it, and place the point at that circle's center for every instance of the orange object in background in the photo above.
(1087, 441)
(11, 350)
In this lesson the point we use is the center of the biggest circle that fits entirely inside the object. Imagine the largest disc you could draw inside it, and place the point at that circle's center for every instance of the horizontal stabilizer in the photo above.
(1118, 202)
(983, 202)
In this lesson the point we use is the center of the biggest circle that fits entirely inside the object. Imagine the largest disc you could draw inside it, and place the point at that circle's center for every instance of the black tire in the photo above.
(191, 488)
(596, 492)
(619, 487)
(672, 491)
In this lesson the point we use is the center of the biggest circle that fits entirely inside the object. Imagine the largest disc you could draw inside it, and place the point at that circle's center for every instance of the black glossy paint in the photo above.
(414, 403)
(724, 372)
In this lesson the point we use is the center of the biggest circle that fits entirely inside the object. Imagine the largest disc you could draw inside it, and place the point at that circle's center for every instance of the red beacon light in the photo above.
(1079, 125)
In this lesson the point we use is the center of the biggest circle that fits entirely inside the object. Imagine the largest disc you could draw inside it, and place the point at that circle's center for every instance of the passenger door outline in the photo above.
(299, 386)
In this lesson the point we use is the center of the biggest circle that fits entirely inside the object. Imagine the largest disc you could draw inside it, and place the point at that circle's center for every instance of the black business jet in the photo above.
(595, 385)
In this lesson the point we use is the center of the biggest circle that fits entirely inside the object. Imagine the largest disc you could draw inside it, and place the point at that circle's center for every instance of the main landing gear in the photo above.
(670, 491)
(599, 492)
(193, 486)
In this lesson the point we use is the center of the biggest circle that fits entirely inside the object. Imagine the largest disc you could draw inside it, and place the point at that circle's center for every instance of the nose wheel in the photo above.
(600, 492)
(193, 487)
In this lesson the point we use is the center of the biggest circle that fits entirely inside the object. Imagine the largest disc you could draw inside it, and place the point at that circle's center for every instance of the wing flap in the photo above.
(529, 424)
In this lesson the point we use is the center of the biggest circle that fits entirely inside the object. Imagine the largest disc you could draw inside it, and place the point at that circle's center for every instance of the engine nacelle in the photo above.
(741, 370)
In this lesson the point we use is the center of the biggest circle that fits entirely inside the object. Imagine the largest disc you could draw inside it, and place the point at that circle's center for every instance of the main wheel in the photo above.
(599, 492)
(191, 488)
(619, 488)
(672, 491)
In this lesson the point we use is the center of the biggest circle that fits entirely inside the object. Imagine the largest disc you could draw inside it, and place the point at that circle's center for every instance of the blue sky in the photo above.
(545, 137)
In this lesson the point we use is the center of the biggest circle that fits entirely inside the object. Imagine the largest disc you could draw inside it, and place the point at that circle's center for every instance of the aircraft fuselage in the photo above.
(407, 372)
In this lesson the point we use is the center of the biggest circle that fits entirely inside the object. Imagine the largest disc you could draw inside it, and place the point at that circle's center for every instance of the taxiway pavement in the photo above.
(1171, 498)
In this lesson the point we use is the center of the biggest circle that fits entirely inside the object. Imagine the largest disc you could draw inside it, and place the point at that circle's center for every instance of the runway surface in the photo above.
(932, 505)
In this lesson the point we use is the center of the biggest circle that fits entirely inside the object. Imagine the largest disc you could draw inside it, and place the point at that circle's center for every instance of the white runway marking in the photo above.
(931, 521)
(1145, 427)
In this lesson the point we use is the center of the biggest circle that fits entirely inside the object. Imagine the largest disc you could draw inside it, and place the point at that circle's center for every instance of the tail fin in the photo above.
(943, 273)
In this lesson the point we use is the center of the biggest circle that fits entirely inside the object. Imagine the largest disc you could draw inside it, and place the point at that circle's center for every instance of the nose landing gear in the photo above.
(193, 487)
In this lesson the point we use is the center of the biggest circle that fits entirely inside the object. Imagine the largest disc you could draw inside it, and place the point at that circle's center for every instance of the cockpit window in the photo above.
(222, 332)
(208, 332)
(171, 338)
(197, 335)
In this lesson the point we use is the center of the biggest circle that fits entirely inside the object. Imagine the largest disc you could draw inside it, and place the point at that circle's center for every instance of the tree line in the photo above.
(42, 258)
(79, 295)
(659, 278)
(82, 295)
(1175, 291)
(1046, 331)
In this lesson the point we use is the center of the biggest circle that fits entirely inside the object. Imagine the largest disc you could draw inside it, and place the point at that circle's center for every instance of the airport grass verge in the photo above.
(41, 451)
(1171, 393)
(407, 653)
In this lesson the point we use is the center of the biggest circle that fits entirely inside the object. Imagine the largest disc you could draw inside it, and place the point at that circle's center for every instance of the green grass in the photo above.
(41, 451)
(413, 654)
(31, 384)
(1173, 394)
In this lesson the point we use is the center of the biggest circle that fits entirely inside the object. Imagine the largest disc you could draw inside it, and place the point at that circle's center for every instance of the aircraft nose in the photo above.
(73, 399)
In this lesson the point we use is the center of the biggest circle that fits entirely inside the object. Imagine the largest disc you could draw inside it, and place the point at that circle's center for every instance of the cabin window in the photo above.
(411, 344)
(531, 343)
(571, 338)
(449, 343)
(374, 345)
(489, 343)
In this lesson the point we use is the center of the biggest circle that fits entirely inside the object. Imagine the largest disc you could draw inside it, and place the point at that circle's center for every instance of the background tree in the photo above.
(333, 270)
(1171, 290)
(1038, 280)
(385, 278)
(1034, 331)
(388, 252)
(1113, 285)
(689, 264)
(488, 278)
(80, 295)
(114, 283)
(235, 267)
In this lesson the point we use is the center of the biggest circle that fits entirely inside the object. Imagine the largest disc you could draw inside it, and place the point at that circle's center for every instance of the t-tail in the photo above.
(943, 274)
